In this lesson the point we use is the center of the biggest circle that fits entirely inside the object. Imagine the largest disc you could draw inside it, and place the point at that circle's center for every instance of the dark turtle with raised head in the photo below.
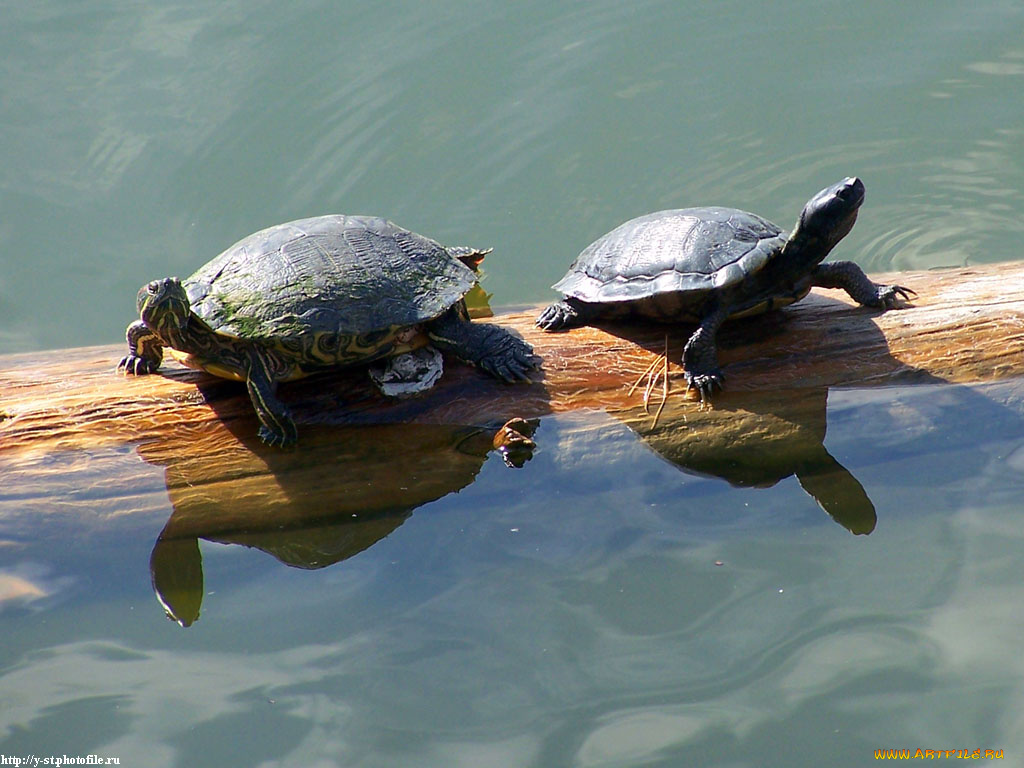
(705, 265)
(318, 293)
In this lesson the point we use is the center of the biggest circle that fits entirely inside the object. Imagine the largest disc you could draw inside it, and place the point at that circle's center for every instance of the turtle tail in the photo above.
(471, 257)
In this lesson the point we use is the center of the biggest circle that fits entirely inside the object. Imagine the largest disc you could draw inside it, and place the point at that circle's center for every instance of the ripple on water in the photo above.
(968, 215)
(1010, 65)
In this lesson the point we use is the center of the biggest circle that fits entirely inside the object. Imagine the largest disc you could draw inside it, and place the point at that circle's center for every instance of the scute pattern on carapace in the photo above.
(341, 275)
(689, 249)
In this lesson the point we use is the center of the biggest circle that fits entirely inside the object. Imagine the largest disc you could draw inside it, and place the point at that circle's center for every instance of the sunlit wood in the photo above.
(966, 325)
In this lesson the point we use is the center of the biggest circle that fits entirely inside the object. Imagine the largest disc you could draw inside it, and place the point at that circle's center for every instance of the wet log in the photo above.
(966, 325)
(178, 451)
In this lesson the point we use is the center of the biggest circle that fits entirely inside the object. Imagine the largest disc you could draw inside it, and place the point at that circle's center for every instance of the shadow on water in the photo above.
(773, 427)
(350, 484)
(755, 441)
(339, 492)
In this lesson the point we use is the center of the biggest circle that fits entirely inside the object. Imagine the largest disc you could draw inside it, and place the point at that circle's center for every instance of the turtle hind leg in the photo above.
(276, 424)
(567, 313)
(145, 350)
(489, 347)
(700, 357)
(851, 278)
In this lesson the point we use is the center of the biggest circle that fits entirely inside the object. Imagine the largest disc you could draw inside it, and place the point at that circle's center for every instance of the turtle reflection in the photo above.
(317, 506)
(754, 440)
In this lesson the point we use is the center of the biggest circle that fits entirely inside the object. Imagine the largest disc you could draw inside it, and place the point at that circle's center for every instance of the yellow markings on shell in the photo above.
(204, 364)
(223, 371)
(769, 304)
(399, 340)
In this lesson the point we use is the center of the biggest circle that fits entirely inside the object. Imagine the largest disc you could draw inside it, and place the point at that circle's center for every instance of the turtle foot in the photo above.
(408, 374)
(286, 438)
(136, 365)
(491, 348)
(705, 383)
(514, 442)
(557, 317)
(510, 359)
(889, 296)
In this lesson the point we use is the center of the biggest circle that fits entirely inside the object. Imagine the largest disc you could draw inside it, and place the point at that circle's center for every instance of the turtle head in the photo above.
(829, 216)
(164, 308)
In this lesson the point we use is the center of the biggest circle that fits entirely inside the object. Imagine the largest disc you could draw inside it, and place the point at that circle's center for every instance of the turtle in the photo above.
(708, 264)
(316, 293)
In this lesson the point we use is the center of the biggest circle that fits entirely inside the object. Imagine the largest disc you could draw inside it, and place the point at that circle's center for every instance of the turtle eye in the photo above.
(153, 287)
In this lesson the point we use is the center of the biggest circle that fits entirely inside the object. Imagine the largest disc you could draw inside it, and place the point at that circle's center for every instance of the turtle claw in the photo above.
(524, 362)
(890, 295)
(511, 372)
(516, 374)
(504, 372)
(705, 384)
(526, 358)
(135, 365)
(279, 439)
(557, 316)
(513, 441)
(511, 362)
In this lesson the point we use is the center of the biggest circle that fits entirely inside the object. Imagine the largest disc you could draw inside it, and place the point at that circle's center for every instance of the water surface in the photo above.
(601, 606)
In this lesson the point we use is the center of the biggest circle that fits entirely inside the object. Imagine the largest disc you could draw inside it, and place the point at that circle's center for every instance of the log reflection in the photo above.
(754, 440)
(333, 497)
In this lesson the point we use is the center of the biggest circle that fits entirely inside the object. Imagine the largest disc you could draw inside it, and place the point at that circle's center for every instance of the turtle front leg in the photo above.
(489, 347)
(276, 424)
(145, 350)
(851, 278)
(700, 357)
(567, 313)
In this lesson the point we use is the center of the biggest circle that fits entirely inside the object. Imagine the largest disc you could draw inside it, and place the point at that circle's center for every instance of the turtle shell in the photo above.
(684, 250)
(341, 275)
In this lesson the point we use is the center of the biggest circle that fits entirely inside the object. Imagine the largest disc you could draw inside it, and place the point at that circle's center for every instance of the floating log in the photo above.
(72, 431)
(965, 325)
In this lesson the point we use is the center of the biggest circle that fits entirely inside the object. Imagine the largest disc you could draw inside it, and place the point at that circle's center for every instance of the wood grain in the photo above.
(80, 440)
(966, 325)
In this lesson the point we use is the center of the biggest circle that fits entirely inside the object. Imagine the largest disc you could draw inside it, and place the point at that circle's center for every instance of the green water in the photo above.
(571, 613)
